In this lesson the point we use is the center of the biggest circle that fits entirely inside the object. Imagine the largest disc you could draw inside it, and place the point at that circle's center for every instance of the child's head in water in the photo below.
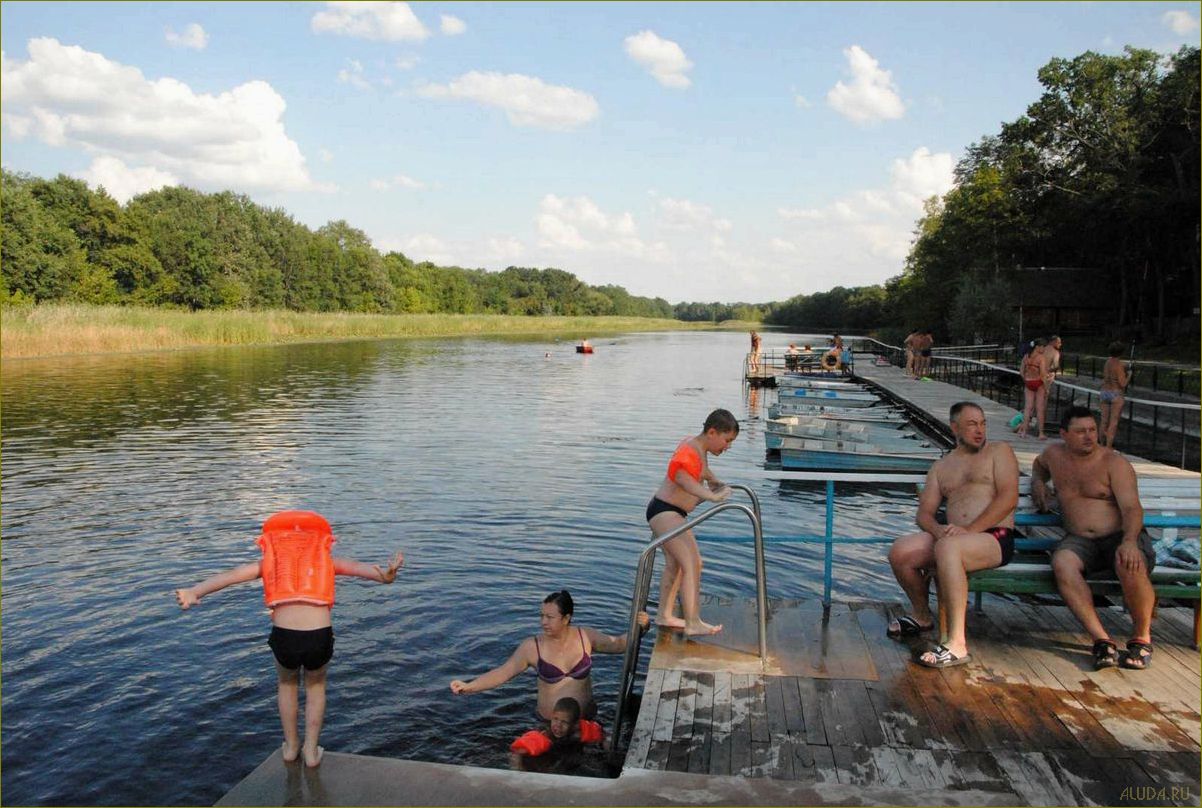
(565, 716)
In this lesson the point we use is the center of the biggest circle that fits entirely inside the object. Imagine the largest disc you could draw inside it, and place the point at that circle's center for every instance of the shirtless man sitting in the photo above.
(1103, 520)
(980, 483)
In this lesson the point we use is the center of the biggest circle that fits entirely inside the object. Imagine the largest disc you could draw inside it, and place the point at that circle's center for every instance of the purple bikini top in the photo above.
(551, 674)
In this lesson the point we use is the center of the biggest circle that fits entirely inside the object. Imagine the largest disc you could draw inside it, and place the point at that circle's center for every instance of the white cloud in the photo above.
(504, 249)
(871, 96)
(579, 224)
(193, 37)
(407, 62)
(67, 96)
(1181, 22)
(399, 181)
(922, 175)
(662, 57)
(866, 235)
(352, 74)
(122, 182)
(681, 214)
(382, 21)
(452, 26)
(527, 101)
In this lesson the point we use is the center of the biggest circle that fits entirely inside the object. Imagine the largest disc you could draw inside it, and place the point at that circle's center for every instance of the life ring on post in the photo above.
(830, 361)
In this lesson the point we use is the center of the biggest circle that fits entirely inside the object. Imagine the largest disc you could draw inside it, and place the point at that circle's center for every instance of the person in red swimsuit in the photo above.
(688, 482)
(561, 656)
(1036, 379)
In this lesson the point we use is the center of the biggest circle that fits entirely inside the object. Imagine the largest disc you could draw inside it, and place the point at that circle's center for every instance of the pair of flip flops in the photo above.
(1137, 658)
(907, 626)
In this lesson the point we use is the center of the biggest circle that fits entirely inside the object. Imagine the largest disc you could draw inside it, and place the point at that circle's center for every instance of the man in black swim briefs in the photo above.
(979, 480)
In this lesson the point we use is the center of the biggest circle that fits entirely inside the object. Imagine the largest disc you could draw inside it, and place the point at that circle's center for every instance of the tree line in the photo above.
(62, 241)
(1101, 173)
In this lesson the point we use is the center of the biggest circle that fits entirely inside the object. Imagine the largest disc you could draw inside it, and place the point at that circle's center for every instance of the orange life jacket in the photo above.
(687, 459)
(297, 565)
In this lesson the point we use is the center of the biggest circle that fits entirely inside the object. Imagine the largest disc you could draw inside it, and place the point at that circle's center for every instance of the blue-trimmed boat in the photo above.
(839, 398)
(821, 455)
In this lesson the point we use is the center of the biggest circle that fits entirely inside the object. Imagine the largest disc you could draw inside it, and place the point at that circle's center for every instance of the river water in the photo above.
(504, 469)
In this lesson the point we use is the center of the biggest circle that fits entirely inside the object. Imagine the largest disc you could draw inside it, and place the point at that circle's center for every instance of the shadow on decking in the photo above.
(840, 703)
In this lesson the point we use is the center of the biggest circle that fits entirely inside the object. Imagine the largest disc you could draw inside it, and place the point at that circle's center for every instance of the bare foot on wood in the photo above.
(700, 628)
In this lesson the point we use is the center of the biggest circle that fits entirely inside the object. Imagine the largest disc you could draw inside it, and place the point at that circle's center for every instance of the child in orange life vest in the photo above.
(298, 572)
(566, 732)
(688, 482)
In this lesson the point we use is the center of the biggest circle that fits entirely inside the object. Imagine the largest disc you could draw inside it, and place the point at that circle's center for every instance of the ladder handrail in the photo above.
(642, 590)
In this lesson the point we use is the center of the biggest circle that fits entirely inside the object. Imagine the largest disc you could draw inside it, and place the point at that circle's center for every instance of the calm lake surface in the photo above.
(503, 474)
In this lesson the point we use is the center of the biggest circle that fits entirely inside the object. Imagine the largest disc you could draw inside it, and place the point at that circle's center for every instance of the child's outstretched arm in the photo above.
(372, 572)
(191, 596)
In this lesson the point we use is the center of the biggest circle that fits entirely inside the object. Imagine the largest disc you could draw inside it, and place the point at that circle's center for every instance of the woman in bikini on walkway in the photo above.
(1035, 377)
(561, 656)
(1114, 384)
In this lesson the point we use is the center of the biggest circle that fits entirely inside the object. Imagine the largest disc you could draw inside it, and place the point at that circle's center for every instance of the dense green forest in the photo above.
(1102, 173)
(182, 248)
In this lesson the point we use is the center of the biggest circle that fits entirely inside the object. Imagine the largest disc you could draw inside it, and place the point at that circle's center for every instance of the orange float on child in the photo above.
(687, 458)
(297, 565)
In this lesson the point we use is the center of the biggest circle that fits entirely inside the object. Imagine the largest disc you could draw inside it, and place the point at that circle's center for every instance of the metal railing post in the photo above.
(827, 565)
(642, 590)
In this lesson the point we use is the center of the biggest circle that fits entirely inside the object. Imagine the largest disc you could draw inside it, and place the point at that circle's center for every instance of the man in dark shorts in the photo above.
(980, 482)
(1103, 520)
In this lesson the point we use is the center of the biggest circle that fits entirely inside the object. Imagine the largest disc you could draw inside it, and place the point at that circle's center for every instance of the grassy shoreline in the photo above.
(51, 330)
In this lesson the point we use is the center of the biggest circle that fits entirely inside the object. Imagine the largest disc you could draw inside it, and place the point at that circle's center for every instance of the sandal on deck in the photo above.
(907, 626)
(1138, 656)
(944, 658)
(1105, 655)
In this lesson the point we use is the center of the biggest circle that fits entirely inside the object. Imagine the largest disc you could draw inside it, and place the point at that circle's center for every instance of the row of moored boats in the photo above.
(836, 424)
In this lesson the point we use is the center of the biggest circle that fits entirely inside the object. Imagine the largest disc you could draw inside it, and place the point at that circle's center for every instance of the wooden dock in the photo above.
(1028, 717)
(933, 398)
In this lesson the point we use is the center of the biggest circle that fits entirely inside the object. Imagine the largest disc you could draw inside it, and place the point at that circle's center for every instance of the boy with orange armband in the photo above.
(298, 572)
(566, 732)
(688, 482)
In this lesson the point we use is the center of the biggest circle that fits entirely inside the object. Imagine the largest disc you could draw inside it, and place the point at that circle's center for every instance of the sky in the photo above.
(691, 151)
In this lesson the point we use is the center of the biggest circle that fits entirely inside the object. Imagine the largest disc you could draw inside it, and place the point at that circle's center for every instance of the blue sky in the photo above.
(693, 151)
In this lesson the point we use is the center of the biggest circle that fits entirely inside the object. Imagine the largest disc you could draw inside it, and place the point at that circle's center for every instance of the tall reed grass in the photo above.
(72, 329)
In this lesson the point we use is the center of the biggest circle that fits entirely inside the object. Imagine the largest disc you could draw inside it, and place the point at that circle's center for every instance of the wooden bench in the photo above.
(1168, 504)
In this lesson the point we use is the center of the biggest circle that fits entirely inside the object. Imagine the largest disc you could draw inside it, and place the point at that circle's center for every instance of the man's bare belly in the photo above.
(1090, 518)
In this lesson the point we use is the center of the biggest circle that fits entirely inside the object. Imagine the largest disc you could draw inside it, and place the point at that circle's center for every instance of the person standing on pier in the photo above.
(753, 359)
(979, 480)
(298, 571)
(1114, 384)
(1036, 380)
(688, 482)
(1104, 530)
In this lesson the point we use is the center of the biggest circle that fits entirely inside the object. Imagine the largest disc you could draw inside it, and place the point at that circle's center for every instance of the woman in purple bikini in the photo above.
(561, 656)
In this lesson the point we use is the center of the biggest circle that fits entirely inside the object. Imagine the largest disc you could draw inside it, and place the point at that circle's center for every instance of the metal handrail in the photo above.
(642, 590)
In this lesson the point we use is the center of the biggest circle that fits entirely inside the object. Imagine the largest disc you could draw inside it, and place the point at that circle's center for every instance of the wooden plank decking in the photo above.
(1028, 715)
(934, 398)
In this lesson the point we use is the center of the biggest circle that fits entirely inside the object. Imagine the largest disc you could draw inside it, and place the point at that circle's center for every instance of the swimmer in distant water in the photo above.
(688, 482)
(561, 656)
(301, 634)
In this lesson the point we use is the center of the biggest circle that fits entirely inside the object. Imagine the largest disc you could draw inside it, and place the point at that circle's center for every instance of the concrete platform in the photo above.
(360, 780)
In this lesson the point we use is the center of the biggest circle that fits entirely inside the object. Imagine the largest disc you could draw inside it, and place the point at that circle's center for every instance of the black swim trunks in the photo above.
(1005, 538)
(302, 649)
(657, 506)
